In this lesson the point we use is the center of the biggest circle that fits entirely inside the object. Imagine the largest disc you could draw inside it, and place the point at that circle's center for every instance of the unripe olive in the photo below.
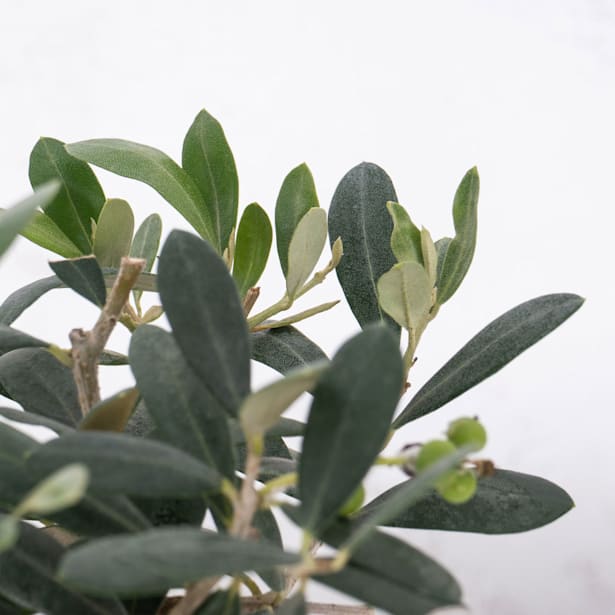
(353, 503)
(431, 452)
(467, 431)
(457, 487)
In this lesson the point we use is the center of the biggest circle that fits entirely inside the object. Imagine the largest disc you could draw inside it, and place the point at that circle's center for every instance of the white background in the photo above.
(523, 89)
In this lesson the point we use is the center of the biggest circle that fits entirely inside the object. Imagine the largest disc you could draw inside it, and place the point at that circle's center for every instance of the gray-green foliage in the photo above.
(131, 476)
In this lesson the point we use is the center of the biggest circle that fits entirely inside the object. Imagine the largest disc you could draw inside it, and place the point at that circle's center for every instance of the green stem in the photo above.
(283, 304)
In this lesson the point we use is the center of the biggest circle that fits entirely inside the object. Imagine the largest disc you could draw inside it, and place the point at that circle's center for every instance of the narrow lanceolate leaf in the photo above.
(80, 198)
(29, 418)
(305, 249)
(358, 215)
(406, 236)
(152, 167)
(202, 304)
(488, 351)
(84, 276)
(207, 158)
(157, 560)
(430, 256)
(121, 464)
(41, 384)
(285, 349)
(111, 414)
(113, 236)
(297, 196)
(504, 503)
(13, 339)
(14, 219)
(21, 299)
(252, 247)
(348, 423)
(185, 413)
(405, 295)
(28, 577)
(461, 249)
(62, 489)
(9, 532)
(261, 410)
(392, 563)
(145, 244)
(43, 231)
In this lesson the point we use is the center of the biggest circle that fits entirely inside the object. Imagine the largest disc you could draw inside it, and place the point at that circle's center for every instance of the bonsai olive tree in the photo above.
(106, 518)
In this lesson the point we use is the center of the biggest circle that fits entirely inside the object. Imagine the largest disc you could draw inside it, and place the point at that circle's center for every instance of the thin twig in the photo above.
(250, 299)
(88, 345)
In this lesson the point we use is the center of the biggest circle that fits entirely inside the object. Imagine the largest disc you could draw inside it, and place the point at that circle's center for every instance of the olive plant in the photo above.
(180, 481)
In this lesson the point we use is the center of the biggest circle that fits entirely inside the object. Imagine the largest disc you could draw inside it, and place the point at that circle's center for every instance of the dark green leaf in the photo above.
(488, 351)
(297, 196)
(349, 420)
(153, 167)
(111, 414)
(110, 357)
(29, 418)
(121, 464)
(221, 603)
(293, 606)
(13, 339)
(395, 564)
(284, 349)
(84, 276)
(41, 384)
(285, 427)
(267, 527)
(201, 302)
(157, 560)
(14, 219)
(460, 251)
(208, 159)
(185, 413)
(441, 249)
(358, 214)
(43, 231)
(169, 511)
(28, 577)
(145, 244)
(10, 608)
(113, 236)
(252, 247)
(81, 197)
(504, 503)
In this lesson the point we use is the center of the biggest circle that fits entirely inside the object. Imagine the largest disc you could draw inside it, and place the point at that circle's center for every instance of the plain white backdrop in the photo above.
(523, 89)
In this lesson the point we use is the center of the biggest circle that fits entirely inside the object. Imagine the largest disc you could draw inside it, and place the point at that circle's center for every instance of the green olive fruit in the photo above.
(431, 452)
(457, 487)
(353, 503)
(467, 432)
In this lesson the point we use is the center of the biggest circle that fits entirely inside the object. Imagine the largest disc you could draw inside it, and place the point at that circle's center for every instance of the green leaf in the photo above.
(294, 605)
(305, 249)
(267, 527)
(13, 339)
(121, 464)
(207, 317)
(9, 532)
(43, 231)
(157, 560)
(84, 276)
(111, 414)
(358, 215)
(405, 295)
(10, 608)
(284, 427)
(113, 235)
(221, 603)
(252, 247)
(488, 351)
(173, 511)
(284, 349)
(28, 577)
(145, 244)
(349, 420)
(391, 562)
(81, 197)
(29, 418)
(41, 384)
(461, 249)
(261, 410)
(208, 159)
(441, 250)
(185, 413)
(62, 489)
(297, 196)
(504, 503)
(14, 219)
(430, 256)
(152, 167)
(406, 236)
